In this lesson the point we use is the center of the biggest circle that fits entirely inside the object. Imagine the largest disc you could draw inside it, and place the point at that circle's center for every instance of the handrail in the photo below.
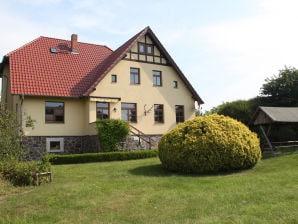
(141, 135)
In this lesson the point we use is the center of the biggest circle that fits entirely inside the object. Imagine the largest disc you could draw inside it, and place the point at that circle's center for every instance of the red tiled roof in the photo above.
(34, 70)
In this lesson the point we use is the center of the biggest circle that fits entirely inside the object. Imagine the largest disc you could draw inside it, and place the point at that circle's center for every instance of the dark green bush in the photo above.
(206, 144)
(111, 132)
(101, 157)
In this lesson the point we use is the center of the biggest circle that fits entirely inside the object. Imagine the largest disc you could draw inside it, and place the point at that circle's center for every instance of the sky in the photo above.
(225, 48)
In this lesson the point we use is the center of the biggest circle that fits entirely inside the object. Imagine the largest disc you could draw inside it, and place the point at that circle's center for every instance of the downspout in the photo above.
(21, 113)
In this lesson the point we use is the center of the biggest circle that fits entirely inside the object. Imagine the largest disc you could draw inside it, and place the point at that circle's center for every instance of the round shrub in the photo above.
(208, 144)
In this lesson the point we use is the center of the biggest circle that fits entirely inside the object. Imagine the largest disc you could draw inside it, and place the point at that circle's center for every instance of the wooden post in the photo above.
(268, 141)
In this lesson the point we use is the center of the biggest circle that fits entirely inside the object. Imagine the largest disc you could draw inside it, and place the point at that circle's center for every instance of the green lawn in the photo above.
(140, 191)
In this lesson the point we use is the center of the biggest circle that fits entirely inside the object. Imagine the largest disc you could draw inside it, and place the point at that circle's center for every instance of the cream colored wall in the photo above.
(146, 95)
(11, 102)
(75, 121)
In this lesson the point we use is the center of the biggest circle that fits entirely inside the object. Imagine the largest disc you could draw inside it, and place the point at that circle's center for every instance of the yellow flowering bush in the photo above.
(208, 144)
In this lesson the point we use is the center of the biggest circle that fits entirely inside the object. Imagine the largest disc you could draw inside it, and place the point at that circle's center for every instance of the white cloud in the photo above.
(251, 49)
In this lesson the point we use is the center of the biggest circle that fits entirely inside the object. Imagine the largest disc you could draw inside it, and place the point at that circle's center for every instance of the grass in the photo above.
(140, 191)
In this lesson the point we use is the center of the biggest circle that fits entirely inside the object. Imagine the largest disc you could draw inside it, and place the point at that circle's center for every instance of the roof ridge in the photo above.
(53, 38)
(80, 42)
(122, 50)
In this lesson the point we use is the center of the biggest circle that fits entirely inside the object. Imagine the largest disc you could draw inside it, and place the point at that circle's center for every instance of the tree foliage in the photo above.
(111, 132)
(13, 164)
(10, 137)
(240, 110)
(281, 89)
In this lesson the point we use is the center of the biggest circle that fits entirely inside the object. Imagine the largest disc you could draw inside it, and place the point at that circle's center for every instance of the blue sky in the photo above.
(226, 48)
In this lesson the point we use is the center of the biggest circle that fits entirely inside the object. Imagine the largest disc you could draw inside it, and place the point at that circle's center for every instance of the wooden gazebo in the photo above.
(274, 115)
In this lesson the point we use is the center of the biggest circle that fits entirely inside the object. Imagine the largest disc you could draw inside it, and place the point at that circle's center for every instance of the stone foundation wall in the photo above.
(72, 144)
(85, 144)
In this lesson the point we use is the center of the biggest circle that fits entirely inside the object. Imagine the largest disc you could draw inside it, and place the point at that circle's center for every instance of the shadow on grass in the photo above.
(151, 170)
(158, 171)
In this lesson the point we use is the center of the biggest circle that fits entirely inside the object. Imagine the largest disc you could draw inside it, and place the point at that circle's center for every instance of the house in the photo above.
(65, 85)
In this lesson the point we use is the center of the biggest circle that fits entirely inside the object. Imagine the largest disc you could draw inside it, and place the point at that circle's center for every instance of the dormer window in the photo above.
(145, 48)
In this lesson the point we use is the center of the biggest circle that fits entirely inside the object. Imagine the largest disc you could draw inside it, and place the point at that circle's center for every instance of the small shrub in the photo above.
(22, 173)
(101, 157)
(210, 143)
(111, 132)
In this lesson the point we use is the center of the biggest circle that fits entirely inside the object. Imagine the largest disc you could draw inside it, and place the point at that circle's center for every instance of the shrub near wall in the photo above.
(209, 143)
(111, 132)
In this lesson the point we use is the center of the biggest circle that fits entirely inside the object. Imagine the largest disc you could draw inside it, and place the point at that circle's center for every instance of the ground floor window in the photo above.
(55, 144)
(158, 113)
(179, 113)
(54, 112)
(102, 110)
(129, 112)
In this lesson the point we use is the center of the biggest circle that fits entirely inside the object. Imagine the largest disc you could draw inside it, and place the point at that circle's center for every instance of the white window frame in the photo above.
(48, 144)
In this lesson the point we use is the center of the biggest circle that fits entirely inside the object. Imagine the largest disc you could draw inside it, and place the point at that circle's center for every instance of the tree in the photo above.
(13, 156)
(281, 90)
(241, 110)
(10, 138)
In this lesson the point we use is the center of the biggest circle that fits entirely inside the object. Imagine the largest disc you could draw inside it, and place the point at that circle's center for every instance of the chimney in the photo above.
(74, 43)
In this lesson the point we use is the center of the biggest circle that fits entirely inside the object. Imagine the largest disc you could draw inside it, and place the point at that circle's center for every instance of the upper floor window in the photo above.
(175, 84)
(157, 81)
(54, 112)
(114, 78)
(102, 110)
(145, 48)
(158, 113)
(179, 113)
(134, 76)
(129, 112)
(142, 48)
(149, 49)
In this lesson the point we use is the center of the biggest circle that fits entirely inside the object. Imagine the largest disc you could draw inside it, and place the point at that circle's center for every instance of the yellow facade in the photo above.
(80, 113)
(145, 95)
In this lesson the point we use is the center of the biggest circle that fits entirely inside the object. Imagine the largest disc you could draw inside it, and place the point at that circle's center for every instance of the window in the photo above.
(134, 76)
(179, 113)
(54, 112)
(55, 144)
(145, 48)
(158, 113)
(157, 81)
(114, 78)
(175, 84)
(102, 110)
(129, 112)
(149, 49)
(141, 48)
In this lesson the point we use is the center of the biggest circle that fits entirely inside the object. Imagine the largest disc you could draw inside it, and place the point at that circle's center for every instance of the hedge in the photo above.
(101, 157)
